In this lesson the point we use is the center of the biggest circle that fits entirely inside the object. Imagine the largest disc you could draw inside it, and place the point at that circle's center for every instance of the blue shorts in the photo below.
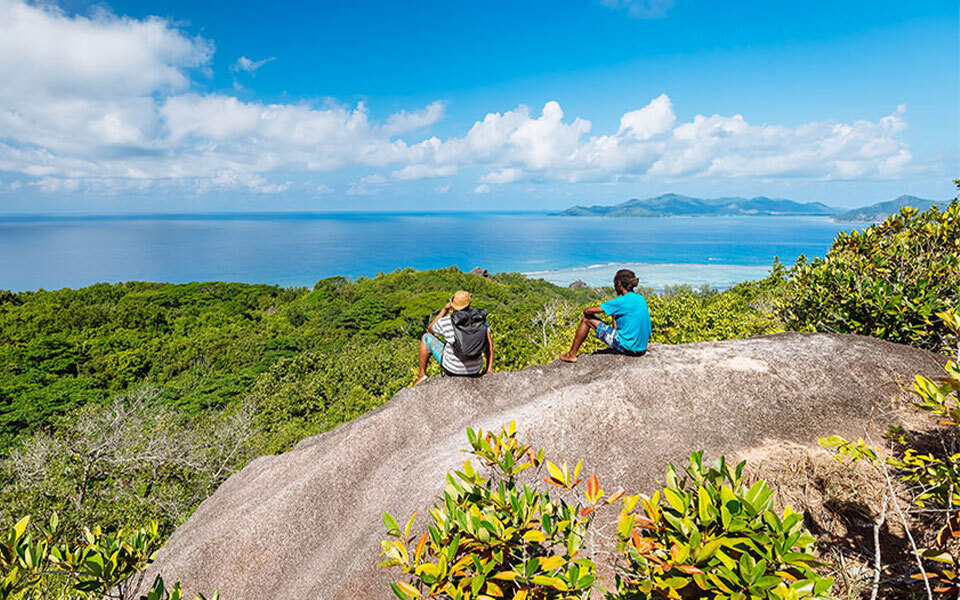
(435, 346)
(609, 336)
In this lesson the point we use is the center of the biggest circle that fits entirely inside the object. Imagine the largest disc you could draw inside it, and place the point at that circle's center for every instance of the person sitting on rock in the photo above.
(631, 320)
(466, 336)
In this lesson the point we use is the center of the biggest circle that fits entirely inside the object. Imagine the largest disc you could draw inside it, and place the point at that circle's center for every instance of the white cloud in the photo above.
(641, 9)
(505, 175)
(652, 120)
(367, 185)
(483, 188)
(443, 189)
(649, 142)
(404, 121)
(324, 189)
(420, 171)
(105, 104)
(245, 64)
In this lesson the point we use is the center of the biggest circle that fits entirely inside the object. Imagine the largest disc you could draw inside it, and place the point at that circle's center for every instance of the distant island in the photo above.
(676, 205)
(881, 210)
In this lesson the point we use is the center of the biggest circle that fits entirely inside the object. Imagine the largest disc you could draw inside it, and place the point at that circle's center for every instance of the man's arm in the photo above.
(591, 311)
(489, 353)
(440, 315)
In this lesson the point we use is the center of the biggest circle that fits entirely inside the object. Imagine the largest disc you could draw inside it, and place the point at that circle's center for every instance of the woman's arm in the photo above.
(440, 315)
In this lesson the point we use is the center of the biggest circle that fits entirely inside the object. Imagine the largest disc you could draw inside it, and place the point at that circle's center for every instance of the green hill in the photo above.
(673, 205)
(882, 210)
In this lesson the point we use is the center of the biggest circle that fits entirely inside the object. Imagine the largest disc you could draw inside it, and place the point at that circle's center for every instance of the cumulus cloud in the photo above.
(404, 121)
(107, 104)
(650, 142)
(250, 66)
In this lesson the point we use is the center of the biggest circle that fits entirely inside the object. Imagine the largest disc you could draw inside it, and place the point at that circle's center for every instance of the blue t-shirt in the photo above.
(633, 320)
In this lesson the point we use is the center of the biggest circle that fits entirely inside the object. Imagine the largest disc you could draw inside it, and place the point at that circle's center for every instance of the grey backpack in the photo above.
(470, 332)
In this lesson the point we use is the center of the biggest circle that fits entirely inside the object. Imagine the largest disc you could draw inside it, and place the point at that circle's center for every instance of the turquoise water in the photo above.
(300, 249)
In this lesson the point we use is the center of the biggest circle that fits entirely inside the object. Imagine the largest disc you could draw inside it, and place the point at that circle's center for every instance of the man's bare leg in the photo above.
(586, 325)
(424, 357)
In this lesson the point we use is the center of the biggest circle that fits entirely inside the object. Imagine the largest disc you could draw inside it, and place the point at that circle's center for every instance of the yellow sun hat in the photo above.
(460, 300)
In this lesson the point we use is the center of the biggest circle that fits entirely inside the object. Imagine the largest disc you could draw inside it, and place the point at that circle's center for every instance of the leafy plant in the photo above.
(95, 565)
(708, 534)
(493, 537)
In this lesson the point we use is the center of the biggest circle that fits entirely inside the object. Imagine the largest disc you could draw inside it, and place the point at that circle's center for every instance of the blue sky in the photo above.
(185, 106)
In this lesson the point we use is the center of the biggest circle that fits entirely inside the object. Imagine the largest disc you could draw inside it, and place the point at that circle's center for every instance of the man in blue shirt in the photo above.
(631, 320)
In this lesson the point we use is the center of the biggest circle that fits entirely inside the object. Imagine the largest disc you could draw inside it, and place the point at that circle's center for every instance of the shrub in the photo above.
(495, 537)
(40, 564)
(714, 537)
(888, 281)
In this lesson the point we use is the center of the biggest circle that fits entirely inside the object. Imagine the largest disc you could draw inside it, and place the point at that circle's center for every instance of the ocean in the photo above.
(299, 249)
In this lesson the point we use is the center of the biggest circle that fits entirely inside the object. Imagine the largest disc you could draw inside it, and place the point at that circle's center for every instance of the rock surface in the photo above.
(307, 525)
(578, 285)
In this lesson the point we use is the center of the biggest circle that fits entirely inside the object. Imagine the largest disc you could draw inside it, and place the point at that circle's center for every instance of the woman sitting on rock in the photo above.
(631, 320)
(466, 335)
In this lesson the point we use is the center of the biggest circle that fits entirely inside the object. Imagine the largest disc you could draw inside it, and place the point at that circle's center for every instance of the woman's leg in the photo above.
(429, 344)
(583, 329)
(423, 358)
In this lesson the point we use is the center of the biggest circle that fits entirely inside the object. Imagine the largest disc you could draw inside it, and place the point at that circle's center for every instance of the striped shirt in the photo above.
(451, 362)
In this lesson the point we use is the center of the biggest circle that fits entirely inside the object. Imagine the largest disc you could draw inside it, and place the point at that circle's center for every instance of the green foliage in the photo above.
(495, 537)
(316, 392)
(682, 315)
(93, 565)
(888, 281)
(709, 534)
(844, 449)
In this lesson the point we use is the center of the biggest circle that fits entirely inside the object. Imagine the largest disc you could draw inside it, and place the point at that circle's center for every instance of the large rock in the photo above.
(306, 524)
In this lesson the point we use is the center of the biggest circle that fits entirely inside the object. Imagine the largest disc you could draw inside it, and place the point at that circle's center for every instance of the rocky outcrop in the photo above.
(481, 272)
(306, 524)
(578, 285)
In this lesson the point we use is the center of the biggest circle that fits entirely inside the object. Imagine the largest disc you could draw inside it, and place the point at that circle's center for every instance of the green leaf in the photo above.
(393, 528)
(675, 499)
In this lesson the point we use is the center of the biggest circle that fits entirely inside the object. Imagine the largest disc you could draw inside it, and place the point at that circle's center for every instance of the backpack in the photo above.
(470, 332)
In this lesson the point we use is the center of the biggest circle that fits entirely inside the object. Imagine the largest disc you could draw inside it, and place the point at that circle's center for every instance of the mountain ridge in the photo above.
(881, 210)
(678, 205)
(671, 204)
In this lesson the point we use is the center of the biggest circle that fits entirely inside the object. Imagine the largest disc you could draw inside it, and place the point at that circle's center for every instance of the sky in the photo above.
(136, 107)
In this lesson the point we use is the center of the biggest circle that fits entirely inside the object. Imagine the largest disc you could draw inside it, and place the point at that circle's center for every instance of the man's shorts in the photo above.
(435, 346)
(609, 336)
